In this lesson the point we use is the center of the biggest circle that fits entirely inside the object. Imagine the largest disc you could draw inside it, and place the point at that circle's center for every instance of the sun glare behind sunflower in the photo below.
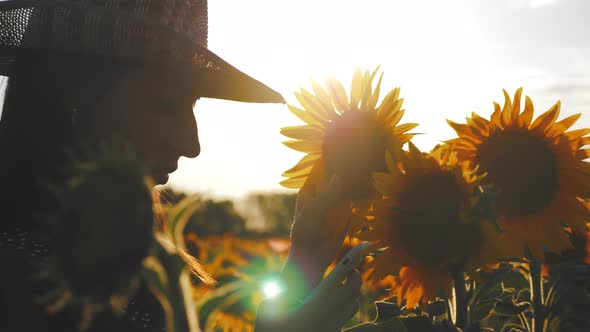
(427, 221)
(538, 168)
(346, 137)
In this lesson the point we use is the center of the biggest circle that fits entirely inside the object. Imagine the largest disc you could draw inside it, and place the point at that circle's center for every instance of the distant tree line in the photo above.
(261, 214)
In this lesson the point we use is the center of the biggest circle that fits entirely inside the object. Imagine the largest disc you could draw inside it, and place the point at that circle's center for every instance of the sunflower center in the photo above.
(431, 228)
(354, 147)
(523, 168)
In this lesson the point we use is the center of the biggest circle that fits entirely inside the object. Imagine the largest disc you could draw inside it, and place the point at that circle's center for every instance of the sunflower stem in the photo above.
(459, 299)
(536, 285)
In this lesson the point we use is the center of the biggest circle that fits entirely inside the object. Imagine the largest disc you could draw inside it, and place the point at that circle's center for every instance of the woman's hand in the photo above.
(313, 247)
(314, 244)
(326, 313)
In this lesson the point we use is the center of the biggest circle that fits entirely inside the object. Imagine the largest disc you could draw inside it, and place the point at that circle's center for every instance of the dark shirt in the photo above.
(22, 257)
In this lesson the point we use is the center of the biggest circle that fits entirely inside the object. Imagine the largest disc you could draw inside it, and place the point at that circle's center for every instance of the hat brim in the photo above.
(216, 77)
(232, 84)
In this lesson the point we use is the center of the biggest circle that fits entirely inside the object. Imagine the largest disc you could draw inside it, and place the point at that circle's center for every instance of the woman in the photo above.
(130, 71)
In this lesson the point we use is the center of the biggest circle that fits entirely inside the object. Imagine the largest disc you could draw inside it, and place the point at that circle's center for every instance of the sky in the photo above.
(449, 58)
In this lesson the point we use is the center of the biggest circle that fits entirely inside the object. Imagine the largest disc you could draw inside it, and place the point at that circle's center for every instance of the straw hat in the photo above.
(158, 32)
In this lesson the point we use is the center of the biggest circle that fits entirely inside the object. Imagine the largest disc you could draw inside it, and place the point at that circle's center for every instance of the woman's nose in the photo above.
(188, 136)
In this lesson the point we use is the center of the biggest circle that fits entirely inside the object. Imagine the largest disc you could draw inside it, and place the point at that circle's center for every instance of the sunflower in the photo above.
(100, 235)
(345, 137)
(537, 167)
(427, 220)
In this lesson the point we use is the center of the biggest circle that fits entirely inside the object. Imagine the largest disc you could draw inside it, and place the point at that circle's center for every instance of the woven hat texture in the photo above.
(159, 32)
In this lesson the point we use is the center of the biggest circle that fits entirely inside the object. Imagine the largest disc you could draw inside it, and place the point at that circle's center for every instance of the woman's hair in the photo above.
(42, 97)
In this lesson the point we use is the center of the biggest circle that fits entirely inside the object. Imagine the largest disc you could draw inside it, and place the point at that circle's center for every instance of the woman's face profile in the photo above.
(152, 111)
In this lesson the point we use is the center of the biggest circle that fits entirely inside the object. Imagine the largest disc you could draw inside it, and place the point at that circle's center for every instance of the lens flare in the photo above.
(271, 288)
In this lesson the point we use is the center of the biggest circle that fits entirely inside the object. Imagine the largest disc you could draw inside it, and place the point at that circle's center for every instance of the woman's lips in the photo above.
(161, 175)
(160, 178)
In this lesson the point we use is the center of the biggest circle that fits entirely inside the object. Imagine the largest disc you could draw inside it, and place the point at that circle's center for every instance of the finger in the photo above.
(354, 308)
(304, 196)
(350, 312)
(332, 193)
(314, 204)
(353, 282)
(347, 292)
(340, 224)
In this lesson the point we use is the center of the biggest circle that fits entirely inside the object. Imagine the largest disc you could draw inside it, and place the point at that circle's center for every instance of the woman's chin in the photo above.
(161, 178)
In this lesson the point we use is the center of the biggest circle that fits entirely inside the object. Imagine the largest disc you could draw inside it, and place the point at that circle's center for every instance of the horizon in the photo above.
(449, 59)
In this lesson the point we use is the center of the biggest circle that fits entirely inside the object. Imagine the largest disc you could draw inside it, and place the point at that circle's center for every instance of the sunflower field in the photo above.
(488, 231)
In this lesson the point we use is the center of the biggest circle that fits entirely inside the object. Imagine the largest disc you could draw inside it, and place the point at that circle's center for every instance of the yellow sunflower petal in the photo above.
(477, 131)
(303, 165)
(404, 128)
(404, 138)
(566, 123)
(374, 73)
(577, 134)
(388, 101)
(356, 87)
(307, 146)
(480, 122)
(324, 98)
(307, 117)
(396, 152)
(527, 115)
(516, 105)
(460, 144)
(395, 115)
(452, 141)
(506, 118)
(390, 162)
(461, 129)
(302, 132)
(294, 183)
(339, 98)
(582, 154)
(413, 296)
(311, 105)
(366, 89)
(495, 118)
(372, 101)
(546, 119)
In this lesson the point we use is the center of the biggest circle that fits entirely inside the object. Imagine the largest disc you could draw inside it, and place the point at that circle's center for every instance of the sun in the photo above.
(537, 167)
